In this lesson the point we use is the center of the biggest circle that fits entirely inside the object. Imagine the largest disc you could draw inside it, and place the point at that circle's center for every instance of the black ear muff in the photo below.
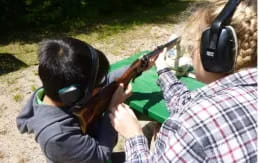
(75, 97)
(69, 95)
(91, 82)
(218, 46)
(222, 58)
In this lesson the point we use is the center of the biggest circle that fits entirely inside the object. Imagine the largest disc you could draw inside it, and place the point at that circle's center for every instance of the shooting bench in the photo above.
(147, 96)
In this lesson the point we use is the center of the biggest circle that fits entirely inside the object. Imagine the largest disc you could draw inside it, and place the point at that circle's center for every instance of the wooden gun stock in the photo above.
(99, 102)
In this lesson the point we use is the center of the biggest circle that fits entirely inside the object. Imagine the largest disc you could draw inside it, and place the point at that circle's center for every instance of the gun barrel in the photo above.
(160, 48)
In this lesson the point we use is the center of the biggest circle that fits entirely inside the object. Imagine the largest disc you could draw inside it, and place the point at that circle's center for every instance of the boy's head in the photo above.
(244, 22)
(65, 62)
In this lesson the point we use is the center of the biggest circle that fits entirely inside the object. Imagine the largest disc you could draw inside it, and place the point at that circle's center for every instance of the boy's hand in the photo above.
(120, 95)
(124, 121)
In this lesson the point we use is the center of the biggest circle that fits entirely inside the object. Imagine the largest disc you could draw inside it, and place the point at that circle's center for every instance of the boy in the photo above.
(68, 63)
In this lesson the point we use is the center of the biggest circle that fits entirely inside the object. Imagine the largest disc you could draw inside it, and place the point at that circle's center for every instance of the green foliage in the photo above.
(11, 12)
(40, 12)
(106, 6)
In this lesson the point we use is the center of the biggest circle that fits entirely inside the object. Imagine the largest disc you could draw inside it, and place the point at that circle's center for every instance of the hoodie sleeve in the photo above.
(25, 115)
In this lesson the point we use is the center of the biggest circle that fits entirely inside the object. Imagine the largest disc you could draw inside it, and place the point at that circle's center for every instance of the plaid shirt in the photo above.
(216, 123)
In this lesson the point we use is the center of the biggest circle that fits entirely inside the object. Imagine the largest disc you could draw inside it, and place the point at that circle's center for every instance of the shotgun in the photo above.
(99, 102)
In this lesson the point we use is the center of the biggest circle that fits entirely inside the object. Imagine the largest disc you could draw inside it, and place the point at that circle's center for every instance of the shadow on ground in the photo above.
(113, 21)
(9, 63)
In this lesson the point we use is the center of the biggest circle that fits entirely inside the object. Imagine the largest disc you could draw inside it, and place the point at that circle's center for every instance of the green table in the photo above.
(147, 96)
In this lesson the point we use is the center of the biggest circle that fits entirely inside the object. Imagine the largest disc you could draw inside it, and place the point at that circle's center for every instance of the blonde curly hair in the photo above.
(244, 21)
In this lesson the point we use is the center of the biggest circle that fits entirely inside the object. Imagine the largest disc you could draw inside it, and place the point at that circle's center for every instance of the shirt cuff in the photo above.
(135, 146)
(166, 69)
(166, 78)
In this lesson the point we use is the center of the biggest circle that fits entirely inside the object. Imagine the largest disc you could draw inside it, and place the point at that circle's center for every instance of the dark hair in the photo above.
(67, 61)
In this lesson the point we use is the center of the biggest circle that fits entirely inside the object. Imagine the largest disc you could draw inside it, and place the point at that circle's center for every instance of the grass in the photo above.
(18, 98)
(33, 88)
(24, 52)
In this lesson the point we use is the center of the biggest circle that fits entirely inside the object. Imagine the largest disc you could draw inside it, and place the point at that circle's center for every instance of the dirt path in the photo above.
(16, 88)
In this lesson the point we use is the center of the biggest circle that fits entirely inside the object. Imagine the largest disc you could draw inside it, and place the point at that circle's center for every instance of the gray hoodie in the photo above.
(59, 134)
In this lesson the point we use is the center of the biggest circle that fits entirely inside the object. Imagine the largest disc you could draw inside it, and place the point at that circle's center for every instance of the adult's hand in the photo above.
(124, 121)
